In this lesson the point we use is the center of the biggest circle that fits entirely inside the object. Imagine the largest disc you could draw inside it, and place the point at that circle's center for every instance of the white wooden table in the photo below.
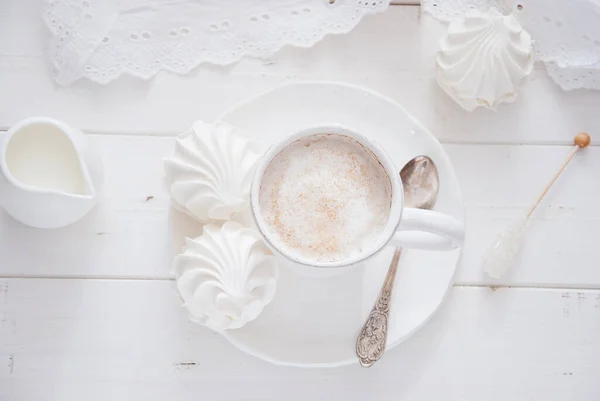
(90, 313)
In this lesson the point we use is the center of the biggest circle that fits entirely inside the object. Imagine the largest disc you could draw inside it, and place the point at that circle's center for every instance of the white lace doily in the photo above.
(103, 39)
(566, 33)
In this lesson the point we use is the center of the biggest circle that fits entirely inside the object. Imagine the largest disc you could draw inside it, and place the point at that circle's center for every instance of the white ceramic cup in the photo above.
(406, 227)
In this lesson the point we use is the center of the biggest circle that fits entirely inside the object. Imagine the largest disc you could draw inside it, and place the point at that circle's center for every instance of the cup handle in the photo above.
(426, 229)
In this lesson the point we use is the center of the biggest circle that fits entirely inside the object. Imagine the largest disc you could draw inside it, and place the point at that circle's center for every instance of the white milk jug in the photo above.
(50, 176)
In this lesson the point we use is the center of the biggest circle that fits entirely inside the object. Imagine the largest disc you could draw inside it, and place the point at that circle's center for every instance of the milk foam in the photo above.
(325, 198)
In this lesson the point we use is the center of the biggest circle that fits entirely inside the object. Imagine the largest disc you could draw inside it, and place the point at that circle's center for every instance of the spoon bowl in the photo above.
(421, 182)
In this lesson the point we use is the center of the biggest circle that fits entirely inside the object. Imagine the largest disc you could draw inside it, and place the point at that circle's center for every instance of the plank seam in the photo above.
(443, 141)
(492, 287)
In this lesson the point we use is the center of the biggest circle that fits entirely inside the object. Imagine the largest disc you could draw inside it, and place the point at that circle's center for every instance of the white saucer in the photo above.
(314, 322)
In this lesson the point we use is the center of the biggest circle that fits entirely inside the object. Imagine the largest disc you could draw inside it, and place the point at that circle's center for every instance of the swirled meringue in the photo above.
(210, 173)
(484, 59)
(226, 276)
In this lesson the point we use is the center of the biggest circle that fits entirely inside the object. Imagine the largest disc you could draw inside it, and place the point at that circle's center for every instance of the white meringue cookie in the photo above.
(226, 276)
(210, 173)
(484, 59)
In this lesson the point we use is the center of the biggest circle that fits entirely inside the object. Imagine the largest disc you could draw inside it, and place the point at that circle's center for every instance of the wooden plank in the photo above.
(129, 340)
(392, 53)
(500, 183)
(128, 234)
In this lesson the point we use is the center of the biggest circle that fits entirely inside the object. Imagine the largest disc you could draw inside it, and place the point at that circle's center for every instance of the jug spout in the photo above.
(49, 173)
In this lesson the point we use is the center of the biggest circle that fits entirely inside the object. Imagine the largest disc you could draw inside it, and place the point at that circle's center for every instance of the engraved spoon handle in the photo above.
(370, 344)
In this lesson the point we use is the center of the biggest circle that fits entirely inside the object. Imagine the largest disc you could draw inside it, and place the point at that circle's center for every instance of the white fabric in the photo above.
(566, 33)
(450, 10)
(102, 39)
(575, 77)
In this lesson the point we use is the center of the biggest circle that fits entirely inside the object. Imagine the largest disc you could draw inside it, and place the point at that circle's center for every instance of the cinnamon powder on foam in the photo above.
(325, 197)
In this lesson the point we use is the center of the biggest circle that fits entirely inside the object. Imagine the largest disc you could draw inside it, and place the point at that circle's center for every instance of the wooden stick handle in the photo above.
(581, 141)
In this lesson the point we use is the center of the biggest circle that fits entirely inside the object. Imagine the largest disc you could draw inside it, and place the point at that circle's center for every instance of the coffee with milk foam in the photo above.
(325, 198)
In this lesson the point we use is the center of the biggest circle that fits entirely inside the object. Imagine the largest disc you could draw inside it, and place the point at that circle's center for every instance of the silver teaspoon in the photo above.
(421, 186)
